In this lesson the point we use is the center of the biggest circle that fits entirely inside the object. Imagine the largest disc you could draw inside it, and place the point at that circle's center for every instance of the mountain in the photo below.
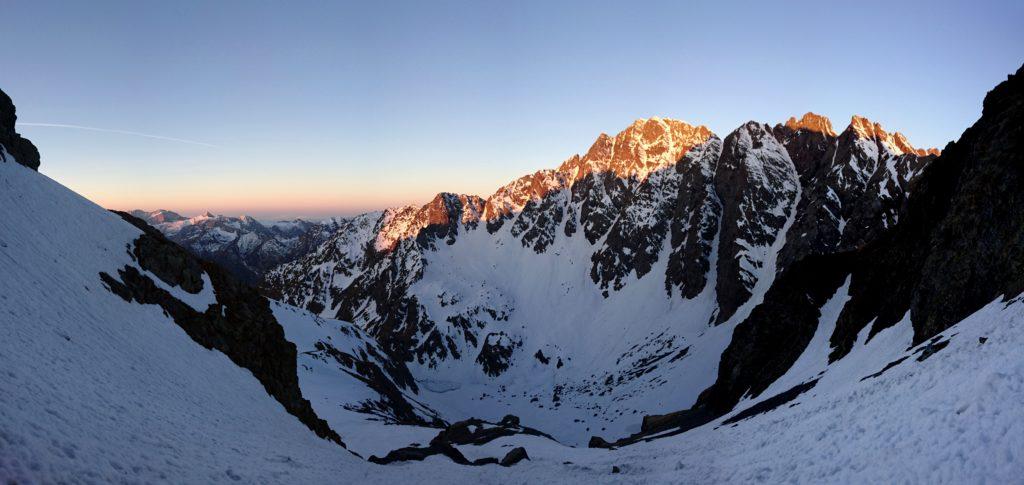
(955, 253)
(658, 235)
(243, 245)
(887, 350)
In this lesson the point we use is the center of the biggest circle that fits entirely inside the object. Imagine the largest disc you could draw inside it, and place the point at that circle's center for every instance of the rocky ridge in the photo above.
(761, 199)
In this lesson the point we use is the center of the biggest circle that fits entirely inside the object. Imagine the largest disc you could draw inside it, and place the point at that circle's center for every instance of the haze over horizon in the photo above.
(320, 110)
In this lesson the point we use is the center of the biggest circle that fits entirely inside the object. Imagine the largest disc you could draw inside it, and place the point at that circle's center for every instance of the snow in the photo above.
(954, 418)
(247, 242)
(331, 389)
(568, 318)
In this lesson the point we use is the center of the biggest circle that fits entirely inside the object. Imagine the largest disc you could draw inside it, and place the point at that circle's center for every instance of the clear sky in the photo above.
(325, 108)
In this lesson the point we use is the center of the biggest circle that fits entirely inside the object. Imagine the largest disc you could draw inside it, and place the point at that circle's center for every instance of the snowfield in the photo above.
(95, 389)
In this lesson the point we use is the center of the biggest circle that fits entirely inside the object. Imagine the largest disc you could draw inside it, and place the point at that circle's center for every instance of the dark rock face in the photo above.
(677, 202)
(959, 244)
(23, 151)
(171, 263)
(600, 196)
(385, 282)
(853, 187)
(768, 342)
(757, 185)
(538, 223)
(240, 324)
(696, 218)
(772, 402)
(496, 353)
(478, 432)
(416, 453)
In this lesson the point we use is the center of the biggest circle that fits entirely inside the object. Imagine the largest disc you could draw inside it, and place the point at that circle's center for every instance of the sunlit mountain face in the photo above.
(664, 235)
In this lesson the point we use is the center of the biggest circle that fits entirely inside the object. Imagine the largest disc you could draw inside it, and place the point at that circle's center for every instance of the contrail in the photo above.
(122, 132)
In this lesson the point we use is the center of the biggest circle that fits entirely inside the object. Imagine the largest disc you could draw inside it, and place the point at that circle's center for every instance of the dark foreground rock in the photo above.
(23, 151)
(469, 432)
(517, 455)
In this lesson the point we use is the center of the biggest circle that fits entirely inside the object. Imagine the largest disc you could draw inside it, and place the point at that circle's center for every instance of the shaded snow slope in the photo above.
(99, 389)
(953, 418)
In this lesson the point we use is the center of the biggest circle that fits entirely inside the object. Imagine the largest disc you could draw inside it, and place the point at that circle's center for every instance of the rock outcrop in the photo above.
(471, 432)
(14, 146)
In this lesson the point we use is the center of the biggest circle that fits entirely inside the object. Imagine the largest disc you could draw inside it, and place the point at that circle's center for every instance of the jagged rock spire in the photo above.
(896, 142)
(813, 122)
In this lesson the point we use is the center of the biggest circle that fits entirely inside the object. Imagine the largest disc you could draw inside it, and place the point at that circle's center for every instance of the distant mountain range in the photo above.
(243, 245)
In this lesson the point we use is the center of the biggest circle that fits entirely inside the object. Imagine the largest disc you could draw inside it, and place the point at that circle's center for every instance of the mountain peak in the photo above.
(896, 142)
(646, 145)
(812, 122)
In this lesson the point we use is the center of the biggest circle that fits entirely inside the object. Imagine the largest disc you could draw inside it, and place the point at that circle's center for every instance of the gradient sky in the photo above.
(333, 108)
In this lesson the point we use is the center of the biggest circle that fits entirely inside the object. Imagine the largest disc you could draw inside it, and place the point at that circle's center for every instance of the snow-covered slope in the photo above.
(98, 386)
(99, 389)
